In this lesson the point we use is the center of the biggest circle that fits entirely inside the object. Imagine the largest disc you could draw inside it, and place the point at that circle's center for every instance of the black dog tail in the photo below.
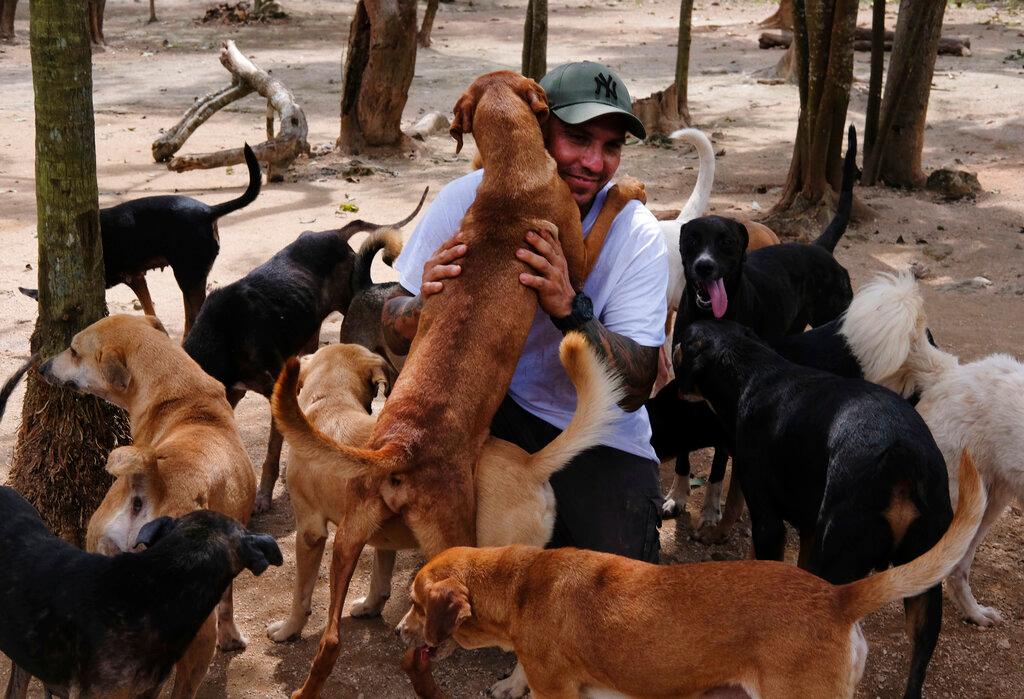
(8, 388)
(831, 235)
(250, 193)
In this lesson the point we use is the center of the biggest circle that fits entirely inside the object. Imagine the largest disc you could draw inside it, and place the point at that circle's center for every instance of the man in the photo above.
(609, 497)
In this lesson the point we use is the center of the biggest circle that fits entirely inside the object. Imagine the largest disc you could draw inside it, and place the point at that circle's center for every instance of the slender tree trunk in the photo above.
(535, 40)
(7, 8)
(896, 156)
(428, 24)
(823, 57)
(64, 438)
(877, 68)
(683, 60)
(782, 18)
(379, 66)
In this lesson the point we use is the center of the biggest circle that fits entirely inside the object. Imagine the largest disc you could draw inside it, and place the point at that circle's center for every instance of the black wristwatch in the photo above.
(582, 312)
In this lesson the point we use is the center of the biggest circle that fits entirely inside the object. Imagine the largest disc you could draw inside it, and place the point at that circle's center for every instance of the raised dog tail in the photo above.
(316, 447)
(862, 597)
(598, 390)
(883, 325)
(837, 226)
(697, 204)
(250, 193)
(9, 385)
(387, 239)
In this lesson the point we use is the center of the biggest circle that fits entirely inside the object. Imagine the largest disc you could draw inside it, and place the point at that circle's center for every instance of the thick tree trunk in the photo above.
(64, 438)
(683, 61)
(535, 40)
(823, 58)
(7, 8)
(782, 17)
(423, 38)
(896, 156)
(378, 70)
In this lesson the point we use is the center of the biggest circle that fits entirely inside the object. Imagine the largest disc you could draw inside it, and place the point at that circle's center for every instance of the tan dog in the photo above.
(515, 502)
(582, 620)
(186, 453)
(419, 460)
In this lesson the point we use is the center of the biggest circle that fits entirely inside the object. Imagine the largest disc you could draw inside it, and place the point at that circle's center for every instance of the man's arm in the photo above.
(636, 365)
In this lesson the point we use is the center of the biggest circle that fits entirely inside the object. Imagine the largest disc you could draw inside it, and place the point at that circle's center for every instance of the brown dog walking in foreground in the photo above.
(582, 620)
(418, 463)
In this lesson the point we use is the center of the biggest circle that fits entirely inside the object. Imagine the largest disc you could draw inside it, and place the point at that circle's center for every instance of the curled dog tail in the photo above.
(862, 597)
(9, 385)
(315, 446)
(831, 235)
(250, 193)
(597, 392)
(697, 204)
(387, 239)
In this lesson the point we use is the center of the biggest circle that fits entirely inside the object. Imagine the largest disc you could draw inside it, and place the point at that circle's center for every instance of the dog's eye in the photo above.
(136, 505)
(74, 352)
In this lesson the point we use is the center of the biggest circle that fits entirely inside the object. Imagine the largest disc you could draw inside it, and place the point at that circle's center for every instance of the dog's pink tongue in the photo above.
(719, 299)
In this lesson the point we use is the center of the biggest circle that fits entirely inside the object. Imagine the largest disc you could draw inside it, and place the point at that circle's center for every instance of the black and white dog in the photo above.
(849, 464)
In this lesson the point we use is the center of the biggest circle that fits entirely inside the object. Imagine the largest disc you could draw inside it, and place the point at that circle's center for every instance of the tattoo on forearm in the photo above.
(399, 320)
(636, 364)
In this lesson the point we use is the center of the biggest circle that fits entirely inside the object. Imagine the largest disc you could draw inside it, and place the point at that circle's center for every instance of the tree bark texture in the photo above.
(683, 61)
(378, 70)
(896, 156)
(823, 58)
(423, 38)
(535, 40)
(64, 438)
(7, 8)
(877, 69)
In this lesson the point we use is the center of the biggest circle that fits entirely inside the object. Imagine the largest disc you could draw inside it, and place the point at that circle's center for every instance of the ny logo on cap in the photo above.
(608, 84)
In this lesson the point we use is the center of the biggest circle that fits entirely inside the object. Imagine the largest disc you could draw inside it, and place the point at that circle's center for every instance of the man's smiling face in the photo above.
(587, 154)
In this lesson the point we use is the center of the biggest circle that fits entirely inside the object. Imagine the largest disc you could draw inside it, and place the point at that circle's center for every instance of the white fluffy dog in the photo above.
(978, 406)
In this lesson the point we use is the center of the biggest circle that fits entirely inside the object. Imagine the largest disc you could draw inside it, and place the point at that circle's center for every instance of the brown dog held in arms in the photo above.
(515, 502)
(186, 453)
(418, 464)
(576, 619)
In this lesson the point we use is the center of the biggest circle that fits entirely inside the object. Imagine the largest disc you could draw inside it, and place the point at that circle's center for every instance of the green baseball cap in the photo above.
(579, 92)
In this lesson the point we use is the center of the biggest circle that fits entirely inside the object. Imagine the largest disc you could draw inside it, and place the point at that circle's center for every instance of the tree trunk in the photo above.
(423, 38)
(782, 18)
(378, 70)
(7, 8)
(683, 61)
(877, 68)
(896, 156)
(823, 59)
(96, 10)
(64, 437)
(535, 40)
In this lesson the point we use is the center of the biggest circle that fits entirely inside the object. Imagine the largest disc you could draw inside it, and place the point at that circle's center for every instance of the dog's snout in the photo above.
(704, 267)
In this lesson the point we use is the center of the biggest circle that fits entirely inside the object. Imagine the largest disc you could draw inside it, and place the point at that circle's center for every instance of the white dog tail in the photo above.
(598, 391)
(697, 204)
(860, 598)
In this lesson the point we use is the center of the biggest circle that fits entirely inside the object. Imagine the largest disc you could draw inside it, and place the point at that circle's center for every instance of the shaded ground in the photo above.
(151, 73)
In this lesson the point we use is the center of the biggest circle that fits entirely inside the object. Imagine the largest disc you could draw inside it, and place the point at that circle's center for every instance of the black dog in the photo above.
(850, 464)
(171, 230)
(100, 626)
(776, 290)
(246, 330)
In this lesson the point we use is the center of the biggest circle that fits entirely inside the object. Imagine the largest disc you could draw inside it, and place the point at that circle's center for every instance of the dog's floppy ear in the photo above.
(156, 324)
(114, 370)
(744, 237)
(462, 119)
(258, 551)
(155, 530)
(447, 607)
(537, 99)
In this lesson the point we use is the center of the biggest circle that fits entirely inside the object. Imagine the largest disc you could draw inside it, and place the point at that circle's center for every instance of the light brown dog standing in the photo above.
(186, 452)
(583, 620)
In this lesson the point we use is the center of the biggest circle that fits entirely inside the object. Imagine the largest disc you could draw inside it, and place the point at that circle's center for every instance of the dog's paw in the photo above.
(232, 641)
(713, 534)
(670, 509)
(365, 608)
(710, 517)
(262, 503)
(984, 616)
(512, 687)
(284, 631)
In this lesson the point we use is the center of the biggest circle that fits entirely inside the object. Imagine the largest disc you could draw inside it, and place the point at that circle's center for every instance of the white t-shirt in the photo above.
(627, 287)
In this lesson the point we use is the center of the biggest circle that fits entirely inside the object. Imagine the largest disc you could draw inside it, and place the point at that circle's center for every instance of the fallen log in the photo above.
(948, 46)
(277, 151)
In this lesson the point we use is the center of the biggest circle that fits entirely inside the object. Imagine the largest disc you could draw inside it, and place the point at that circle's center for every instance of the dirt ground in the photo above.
(151, 73)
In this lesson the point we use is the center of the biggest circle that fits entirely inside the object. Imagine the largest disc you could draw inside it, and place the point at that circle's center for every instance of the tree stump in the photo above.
(7, 8)
(423, 38)
(277, 151)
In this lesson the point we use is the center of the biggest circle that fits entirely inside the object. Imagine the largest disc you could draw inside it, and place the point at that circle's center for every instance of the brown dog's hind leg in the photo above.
(190, 671)
(270, 471)
(17, 683)
(228, 636)
(380, 586)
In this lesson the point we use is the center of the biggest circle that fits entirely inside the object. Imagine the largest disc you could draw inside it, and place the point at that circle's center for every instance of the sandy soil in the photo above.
(151, 73)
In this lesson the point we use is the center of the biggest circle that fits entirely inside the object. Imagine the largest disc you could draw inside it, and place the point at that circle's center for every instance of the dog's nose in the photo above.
(704, 267)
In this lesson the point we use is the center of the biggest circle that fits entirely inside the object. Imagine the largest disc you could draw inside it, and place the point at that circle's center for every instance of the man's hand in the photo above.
(551, 273)
(445, 263)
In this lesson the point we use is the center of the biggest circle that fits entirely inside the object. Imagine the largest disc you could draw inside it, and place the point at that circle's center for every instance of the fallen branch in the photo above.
(948, 46)
(278, 151)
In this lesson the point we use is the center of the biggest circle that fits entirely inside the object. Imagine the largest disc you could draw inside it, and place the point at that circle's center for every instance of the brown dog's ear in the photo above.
(537, 99)
(447, 607)
(462, 121)
(155, 322)
(115, 370)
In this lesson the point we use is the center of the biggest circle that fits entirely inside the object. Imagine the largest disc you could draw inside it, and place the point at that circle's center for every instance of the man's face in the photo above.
(587, 154)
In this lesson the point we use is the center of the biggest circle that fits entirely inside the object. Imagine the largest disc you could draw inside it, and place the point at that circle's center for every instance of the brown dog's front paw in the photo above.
(262, 503)
(232, 642)
(627, 189)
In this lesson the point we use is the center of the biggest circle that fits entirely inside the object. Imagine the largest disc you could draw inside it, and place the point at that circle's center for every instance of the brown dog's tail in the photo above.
(387, 239)
(860, 598)
(315, 446)
(598, 391)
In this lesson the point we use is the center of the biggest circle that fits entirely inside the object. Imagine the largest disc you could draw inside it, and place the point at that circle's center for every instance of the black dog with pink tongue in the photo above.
(777, 290)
